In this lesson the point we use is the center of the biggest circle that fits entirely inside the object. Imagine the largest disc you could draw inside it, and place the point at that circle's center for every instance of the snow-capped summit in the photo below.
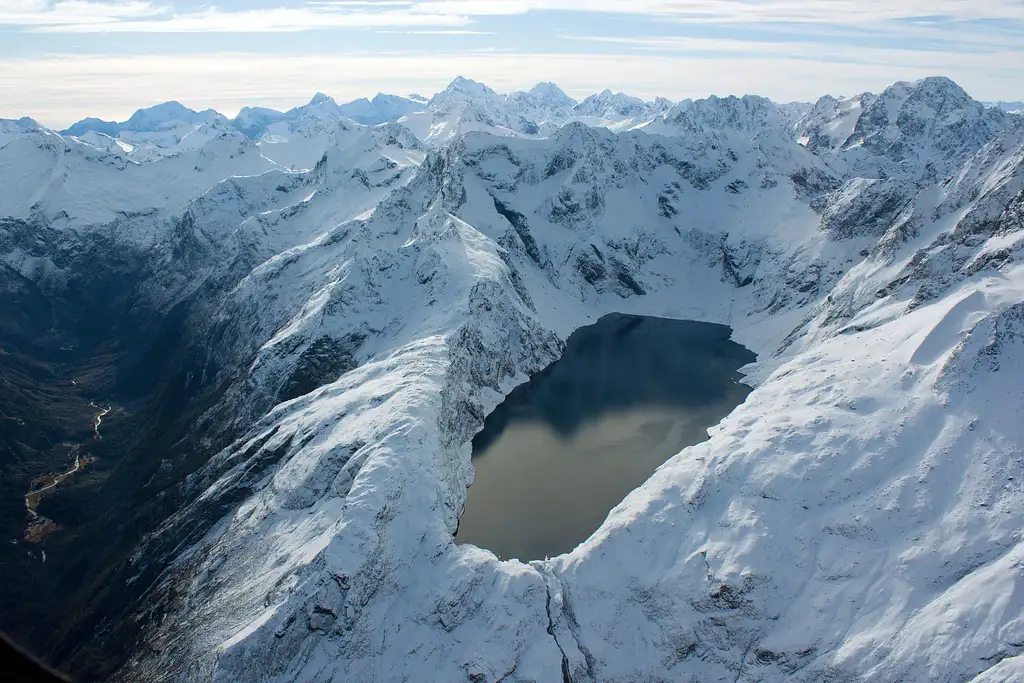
(154, 132)
(463, 105)
(252, 121)
(320, 106)
(749, 113)
(462, 89)
(911, 130)
(607, 104)
(91, 123)
(159, 117)
(831, 121)
(381, 109)
(11, 128)
(541, 110)
(549, 94)
(170, 114)
(321, 98)
(934, 115)
(618, 111)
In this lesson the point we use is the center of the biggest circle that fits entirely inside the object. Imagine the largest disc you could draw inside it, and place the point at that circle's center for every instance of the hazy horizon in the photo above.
(61, 61)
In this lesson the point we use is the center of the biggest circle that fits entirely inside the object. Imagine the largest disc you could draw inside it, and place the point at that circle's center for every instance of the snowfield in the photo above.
(858, 517)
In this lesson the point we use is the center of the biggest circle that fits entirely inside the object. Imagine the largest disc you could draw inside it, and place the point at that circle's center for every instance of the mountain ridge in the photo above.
(344, 327)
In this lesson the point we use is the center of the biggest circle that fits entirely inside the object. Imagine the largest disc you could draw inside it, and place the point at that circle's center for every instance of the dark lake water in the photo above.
(566, 447)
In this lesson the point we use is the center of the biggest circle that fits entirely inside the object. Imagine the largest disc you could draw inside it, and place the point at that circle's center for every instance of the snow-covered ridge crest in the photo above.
(857, 518)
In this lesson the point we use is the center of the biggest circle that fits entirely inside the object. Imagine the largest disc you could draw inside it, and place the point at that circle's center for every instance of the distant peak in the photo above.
(171, 107)
(467, 85)
(941, 84)
(157, 116)
(937, 82)
(321, 98)
(462, 90)
(382, 98)
(547, 89)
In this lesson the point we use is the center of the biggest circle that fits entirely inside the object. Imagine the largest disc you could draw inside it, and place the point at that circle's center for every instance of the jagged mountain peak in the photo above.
(608, 104)
(320, 98)
(468, 87)
(551, 93)
(578, 136)
(661, 104)
(381, 108)
(391, 133)
(748, 113)
(940, 83)
(941, 119)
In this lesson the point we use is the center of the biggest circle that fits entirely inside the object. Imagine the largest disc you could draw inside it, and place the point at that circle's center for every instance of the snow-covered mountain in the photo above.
(381, 109)
(153, 133)
(298, 137)
(149, 120)
(341, 330)
(253, 121)
(1011, 107)
(618, 110)
(466, 105)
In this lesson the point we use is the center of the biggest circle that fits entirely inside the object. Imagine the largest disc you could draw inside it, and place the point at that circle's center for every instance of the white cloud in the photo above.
(438, 32)
(950, 54)
(60, 89)
(82, 12)
(745, 11)
(260, 21)
(139, 16)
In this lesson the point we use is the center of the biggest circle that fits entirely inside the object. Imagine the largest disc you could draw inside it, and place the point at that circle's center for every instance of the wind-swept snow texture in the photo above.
(859, 517)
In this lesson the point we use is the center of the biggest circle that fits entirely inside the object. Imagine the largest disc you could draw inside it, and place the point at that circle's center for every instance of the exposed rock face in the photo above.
(344, 330)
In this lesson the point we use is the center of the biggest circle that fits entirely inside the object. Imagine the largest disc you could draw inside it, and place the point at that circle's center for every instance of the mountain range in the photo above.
(296, 322)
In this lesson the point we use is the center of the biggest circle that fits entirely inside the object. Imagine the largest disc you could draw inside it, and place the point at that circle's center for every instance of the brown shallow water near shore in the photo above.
(564, 449)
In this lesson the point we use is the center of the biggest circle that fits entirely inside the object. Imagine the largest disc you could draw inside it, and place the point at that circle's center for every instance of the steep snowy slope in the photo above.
(298, 144)
(66, 183)
(246, 221)
(858, 518)
(153, 133)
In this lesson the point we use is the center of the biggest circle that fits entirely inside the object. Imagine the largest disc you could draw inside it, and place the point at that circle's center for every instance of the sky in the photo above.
(62, 60)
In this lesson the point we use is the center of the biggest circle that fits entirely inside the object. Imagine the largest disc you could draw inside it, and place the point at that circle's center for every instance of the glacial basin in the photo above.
(566, 447)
